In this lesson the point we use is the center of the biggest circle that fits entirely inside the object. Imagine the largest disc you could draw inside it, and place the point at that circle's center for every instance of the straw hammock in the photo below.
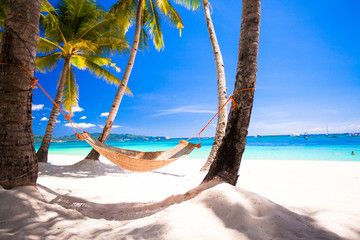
(140, 161)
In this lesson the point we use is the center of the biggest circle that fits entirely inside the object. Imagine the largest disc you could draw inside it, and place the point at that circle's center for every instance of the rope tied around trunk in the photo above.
(234, 105)
(35, 82)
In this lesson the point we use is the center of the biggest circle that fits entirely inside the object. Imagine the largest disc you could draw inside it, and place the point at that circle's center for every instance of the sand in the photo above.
(98, 200)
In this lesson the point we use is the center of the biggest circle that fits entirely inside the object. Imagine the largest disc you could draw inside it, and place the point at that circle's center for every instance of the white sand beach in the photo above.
(98, 200)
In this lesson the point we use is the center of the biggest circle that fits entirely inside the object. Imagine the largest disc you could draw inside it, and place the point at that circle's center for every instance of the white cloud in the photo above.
(105, 114)
(184, 109)
(44, 119)
(101, 126)
(83, 117)
(77, 109)
(82, 125)
(57, 121)
(115, 126)
(37, 107)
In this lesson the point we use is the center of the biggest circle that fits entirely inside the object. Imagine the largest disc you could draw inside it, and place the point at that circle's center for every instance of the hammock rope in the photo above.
(130, 159)
(234, 104)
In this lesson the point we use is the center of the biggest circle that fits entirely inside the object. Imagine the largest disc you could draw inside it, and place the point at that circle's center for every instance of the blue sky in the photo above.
(308, 75)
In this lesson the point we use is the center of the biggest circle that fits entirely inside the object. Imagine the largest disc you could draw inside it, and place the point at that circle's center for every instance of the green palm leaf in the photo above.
(71, 94)
(125, 10)
(85, 46)
(48, 62)
(98, 26)
(50, 23)
(154, 25)
(143, 41)
(46, 46)
(95, 66)
(171, 15)
(189, 4)
(110, 44)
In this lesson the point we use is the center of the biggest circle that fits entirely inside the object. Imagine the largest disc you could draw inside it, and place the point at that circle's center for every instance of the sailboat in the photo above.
(327, 130)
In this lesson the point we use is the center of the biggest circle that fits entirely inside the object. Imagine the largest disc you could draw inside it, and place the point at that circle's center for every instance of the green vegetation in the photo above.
(38, 138)
(84, 36)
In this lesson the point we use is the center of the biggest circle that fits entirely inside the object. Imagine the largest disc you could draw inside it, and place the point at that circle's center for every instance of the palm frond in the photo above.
(96, 27)
(125, 10)
(171, 15)
(99, 60)
(72, 13)
(109, 44)
(46, 6)
(76, 11)
(48, 62)
(144, 39)
(101, 72)
(47, 46)
(71, 92)
(85, 46)
(190, 4)
(50, 23)
(154, 25)
(79, 62)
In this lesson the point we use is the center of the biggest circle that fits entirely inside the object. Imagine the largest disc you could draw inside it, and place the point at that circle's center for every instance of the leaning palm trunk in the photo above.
(221, 83)
(228, 158)
(18, 165)
(42, 153)
(121, 91)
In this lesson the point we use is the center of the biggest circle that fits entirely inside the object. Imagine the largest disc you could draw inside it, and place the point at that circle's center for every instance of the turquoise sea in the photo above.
(316, 147)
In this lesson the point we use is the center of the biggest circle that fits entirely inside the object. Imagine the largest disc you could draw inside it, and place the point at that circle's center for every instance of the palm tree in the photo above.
(221, 80)
(146, 14)
(228, 158)
(82, 35)
(18, 165)
(221, 87)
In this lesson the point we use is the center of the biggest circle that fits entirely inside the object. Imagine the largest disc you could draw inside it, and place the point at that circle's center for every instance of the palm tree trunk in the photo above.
(18, 164)
(228, 158)
(121, 91)
(221, 83)
(42, 153)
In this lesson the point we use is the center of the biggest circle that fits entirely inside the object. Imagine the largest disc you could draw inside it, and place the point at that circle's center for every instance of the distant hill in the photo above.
(38, 138)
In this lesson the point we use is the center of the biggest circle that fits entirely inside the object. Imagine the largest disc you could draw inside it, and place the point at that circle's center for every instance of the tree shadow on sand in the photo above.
(248, 214)
(118, 211)
(88, 169)
(253, 215)
(256, 216)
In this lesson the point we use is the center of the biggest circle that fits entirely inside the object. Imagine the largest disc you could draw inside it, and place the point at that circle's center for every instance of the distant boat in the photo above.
(353, 134)
(327, 130)
(306, 136)
(295, 135)
(258, 136)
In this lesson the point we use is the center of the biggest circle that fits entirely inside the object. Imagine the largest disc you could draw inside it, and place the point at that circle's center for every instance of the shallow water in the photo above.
(316, 147)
